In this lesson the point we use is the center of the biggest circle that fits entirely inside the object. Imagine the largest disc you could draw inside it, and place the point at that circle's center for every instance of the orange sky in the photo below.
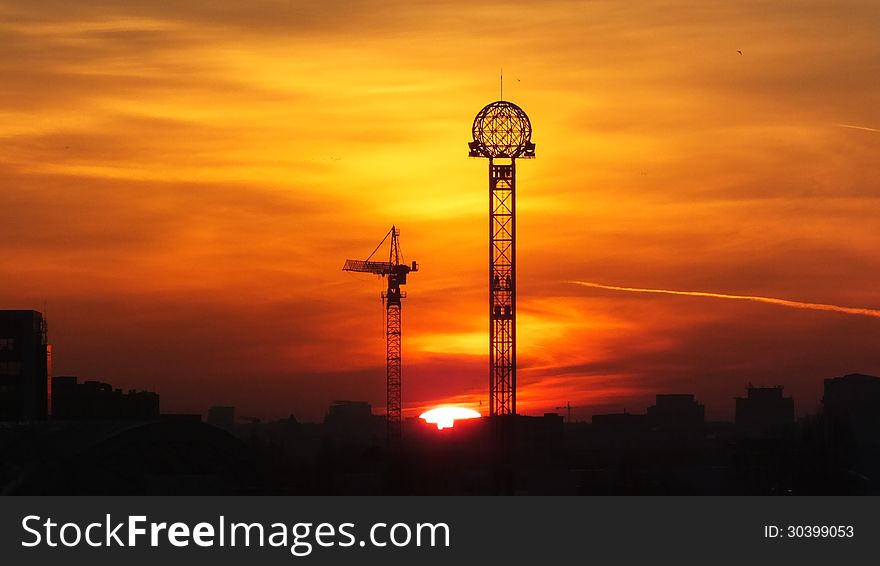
(182, 184)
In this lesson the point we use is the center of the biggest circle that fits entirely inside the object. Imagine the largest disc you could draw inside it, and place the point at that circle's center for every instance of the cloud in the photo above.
(863, 128)
(205, 168)
(768, 300)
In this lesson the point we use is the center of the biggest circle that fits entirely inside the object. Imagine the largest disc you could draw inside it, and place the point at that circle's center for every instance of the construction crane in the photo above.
(396, 273)
(567, 407)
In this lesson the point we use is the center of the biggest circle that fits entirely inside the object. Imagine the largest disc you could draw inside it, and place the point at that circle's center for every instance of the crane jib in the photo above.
(377, 267)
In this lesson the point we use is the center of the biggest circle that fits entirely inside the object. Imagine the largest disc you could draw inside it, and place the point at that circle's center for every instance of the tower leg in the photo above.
(502, 288)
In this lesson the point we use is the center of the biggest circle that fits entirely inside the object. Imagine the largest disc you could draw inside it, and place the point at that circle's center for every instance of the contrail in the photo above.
(863, 128)
(773, 301)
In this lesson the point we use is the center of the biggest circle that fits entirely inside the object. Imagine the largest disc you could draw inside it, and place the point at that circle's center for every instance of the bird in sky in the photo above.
(739, 51)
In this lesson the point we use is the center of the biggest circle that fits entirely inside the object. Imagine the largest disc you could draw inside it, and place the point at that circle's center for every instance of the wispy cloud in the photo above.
(769, 300)
(863, 128)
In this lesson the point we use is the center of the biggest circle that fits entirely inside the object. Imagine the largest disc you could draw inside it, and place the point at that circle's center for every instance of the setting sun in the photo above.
(445, 417)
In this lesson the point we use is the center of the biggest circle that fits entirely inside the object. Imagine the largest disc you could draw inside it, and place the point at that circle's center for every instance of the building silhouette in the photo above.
(353, 421)
(676, 411)
(24, 366)
(764, 413)
(852, 405)
(100, 442)
(222, 416)
(94, 400)
(119, 457)
(348, 414)
(677, 418)
(619, 422)
(103, 440)
(620, 431)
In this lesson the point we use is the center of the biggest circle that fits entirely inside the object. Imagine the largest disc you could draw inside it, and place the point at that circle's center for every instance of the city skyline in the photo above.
(182, 184)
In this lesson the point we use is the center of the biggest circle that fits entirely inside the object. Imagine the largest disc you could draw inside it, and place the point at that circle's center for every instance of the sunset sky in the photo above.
(181, 182)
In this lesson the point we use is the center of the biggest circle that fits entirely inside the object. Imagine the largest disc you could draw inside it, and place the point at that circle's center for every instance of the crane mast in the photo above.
(395, 272)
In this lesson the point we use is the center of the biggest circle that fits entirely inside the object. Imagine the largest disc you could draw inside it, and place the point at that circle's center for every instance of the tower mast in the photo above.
(502, 133)
(392, 297)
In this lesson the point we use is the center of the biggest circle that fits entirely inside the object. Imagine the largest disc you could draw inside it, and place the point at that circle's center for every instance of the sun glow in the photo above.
(445, 417)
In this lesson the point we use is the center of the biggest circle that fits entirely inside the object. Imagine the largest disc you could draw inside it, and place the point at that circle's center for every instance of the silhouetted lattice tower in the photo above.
(502, 133)
(396, 273)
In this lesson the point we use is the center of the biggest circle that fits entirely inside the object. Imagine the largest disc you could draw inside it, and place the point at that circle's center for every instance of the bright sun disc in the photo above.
(445, 417)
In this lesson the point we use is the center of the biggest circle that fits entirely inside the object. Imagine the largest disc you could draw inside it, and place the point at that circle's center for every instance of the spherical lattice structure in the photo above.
(502, 129)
